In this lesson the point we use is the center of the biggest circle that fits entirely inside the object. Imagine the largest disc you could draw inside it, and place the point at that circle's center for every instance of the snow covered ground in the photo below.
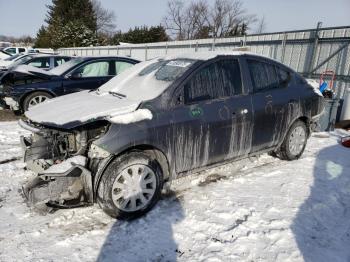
(262, 209)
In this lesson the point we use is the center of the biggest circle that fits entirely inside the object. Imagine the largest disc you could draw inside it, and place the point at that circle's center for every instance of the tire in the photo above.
(295, 141)
(122, 197)
(34, 99)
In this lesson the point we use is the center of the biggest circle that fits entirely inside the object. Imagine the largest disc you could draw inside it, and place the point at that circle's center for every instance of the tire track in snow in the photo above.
(12, 159)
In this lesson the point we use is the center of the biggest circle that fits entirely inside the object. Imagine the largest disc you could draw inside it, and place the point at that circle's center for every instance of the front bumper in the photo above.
(56, 185)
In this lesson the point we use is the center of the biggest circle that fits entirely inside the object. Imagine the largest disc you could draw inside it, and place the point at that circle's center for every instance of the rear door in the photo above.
(89, 76)
(273, 100)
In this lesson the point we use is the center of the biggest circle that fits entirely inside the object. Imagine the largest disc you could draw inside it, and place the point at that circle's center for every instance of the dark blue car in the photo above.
(26, 86)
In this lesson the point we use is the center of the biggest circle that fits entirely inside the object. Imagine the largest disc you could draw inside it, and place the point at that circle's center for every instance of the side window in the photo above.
(284, 77)
(21, 50)
(120, 66)
(42, 62)
(60, 60)
(94, 69)
(217, 80)
(11, 50)
(263, 75)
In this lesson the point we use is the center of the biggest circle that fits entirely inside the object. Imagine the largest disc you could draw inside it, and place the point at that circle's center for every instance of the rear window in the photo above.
(167, 70)
(263, 75)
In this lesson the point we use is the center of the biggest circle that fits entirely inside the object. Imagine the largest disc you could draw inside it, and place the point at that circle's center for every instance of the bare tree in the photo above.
(105, 18)
(200, 20)
(174, 21)
(261, 27)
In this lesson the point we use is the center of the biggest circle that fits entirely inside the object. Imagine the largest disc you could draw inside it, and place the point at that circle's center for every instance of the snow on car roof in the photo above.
(148, 79)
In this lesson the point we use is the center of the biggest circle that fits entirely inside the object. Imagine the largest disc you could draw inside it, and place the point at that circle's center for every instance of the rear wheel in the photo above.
(294, 143)
(35, 99)
(130, 186)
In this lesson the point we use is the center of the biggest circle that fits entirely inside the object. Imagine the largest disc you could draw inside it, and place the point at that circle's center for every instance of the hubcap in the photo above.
(37, 100)
(297, 140)
(134, 188)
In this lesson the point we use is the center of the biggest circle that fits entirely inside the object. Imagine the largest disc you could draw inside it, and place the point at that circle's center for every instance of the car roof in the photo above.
(208, 55)
(103, 57)
(47, 55)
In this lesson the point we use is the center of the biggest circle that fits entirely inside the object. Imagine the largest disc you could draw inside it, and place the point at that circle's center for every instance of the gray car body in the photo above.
(194, 136)
(182, 136)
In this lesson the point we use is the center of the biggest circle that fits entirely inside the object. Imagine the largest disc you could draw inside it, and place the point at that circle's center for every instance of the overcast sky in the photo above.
(24, 17)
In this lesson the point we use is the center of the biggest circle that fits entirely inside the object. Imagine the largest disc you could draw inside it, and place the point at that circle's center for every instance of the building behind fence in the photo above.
(309, 52)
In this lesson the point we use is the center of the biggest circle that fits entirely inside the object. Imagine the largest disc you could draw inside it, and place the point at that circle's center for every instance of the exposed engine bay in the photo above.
(63, 161)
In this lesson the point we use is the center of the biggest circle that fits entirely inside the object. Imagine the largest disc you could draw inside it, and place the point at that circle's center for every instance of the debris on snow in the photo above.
(261, 210)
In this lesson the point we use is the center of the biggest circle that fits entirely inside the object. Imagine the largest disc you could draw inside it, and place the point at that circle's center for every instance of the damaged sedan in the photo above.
(122, 143)
(26, 86)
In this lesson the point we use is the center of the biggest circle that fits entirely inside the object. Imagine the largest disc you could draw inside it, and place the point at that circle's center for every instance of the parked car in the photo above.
(13, 50)
(5, 63)
(43, 61)
(4, 55)
(26, 86)
(161, 119)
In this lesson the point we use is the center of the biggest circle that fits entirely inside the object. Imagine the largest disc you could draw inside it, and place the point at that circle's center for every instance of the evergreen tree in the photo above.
(69, 23)
(42, 38)
(142, 35)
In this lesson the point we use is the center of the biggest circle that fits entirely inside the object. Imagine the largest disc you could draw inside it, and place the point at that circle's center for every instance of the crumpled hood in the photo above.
(73, 110)
(31, 70)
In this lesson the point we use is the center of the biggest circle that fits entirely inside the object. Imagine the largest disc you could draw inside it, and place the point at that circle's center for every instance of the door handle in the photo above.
(244, 111)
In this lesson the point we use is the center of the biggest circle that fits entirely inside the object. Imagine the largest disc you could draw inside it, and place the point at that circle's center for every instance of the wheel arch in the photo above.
(153, 151)
(304, 119)
(23, 97)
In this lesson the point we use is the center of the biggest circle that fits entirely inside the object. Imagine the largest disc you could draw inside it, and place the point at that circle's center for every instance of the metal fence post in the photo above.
(314, 49)
(283, 52)
(146, 52)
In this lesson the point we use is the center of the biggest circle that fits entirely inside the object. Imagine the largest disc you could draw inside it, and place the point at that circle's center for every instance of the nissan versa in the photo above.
(118, 145)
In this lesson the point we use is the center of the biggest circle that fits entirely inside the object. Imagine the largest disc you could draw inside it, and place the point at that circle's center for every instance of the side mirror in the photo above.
(75, 75)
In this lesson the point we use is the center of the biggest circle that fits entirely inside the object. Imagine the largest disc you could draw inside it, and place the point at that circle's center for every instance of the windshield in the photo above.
(59, 70)
(4, 52)
(147, 80)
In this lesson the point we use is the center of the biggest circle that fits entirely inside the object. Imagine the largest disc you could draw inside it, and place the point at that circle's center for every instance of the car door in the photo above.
(272, 100)
(208, 124)
(91, 75)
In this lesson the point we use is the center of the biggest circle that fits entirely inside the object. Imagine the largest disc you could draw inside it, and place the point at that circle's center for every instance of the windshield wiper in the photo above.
(119, 95)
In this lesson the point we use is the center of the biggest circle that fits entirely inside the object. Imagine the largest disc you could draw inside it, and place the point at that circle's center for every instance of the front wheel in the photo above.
(130, 186)
(35, 99)
(294, 143)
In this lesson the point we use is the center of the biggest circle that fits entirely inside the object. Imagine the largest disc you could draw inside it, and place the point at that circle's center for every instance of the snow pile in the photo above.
(133, 117)
(262, 209)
